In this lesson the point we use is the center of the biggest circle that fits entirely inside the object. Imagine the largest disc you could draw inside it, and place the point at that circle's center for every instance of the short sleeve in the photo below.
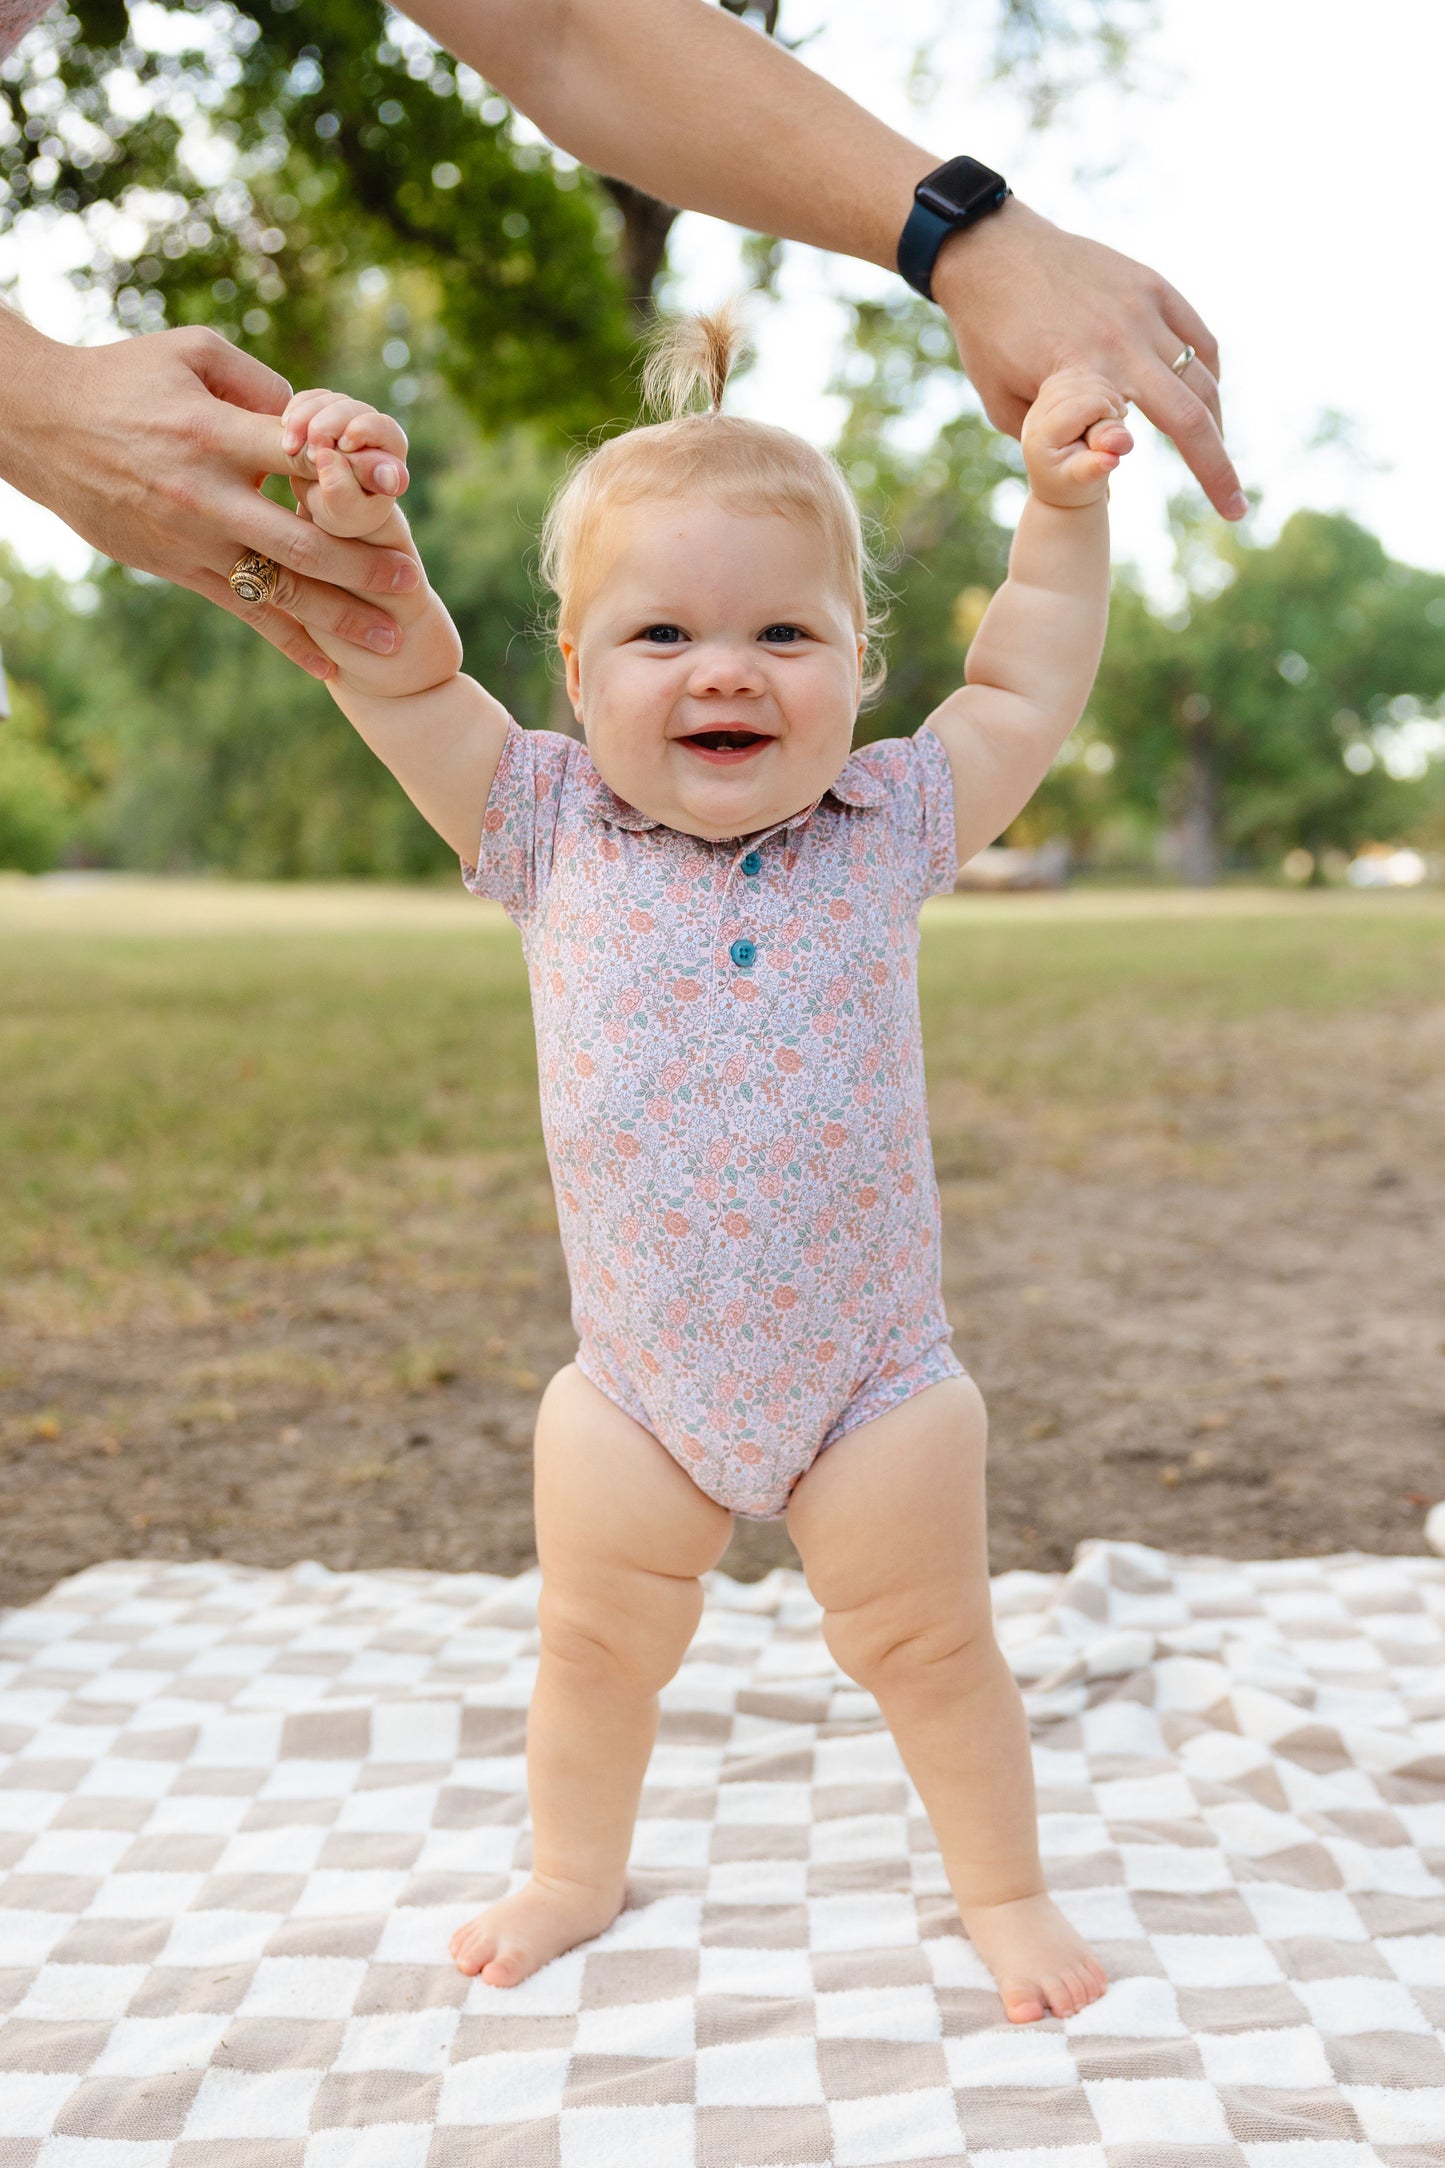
(938, 838)
(910, 779)
(525, 809)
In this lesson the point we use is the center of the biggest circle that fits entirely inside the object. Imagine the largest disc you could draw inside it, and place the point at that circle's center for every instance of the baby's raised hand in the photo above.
(1074, 437)
(347, 461)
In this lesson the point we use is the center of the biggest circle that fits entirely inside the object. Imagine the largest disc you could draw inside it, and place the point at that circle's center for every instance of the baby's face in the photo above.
(716, 667)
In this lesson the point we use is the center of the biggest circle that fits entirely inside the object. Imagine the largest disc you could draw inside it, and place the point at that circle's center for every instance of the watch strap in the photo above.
(951, 198)
(923, 235)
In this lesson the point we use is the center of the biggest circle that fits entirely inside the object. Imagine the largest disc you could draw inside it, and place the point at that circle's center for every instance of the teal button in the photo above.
(753, 863)
(743, 954)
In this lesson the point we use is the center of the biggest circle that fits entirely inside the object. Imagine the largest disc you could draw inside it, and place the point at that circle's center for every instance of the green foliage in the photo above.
(45, 778)
(1271, 711)
(268, 154)
(37, 796)
(927, 494)
(182, 741)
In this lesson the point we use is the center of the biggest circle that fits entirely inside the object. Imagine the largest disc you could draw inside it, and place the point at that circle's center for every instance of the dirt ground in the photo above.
(1218, 1326)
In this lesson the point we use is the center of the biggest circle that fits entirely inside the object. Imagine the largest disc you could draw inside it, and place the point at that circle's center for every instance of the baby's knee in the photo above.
(911, 1647)
(606, 1645)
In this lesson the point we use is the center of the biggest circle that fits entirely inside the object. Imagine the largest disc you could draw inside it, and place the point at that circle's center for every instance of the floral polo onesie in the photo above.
(731, 1066)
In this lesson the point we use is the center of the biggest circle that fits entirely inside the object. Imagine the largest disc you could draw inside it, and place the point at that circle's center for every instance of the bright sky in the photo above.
(1280, 163)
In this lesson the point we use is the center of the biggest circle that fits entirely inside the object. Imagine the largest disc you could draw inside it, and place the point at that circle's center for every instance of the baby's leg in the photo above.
(622, 1535)
(890, 1524)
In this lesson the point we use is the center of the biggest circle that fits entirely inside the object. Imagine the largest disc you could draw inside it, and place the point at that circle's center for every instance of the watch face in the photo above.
(963, 185)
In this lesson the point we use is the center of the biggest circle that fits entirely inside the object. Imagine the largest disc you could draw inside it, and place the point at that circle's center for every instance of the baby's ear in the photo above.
(567, 648)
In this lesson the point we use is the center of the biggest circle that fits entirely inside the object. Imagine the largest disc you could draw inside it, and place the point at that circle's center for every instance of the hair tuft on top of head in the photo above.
(691, 354)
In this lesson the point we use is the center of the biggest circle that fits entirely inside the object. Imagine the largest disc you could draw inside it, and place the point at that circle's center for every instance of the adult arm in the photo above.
(153, 448)
(686, 102)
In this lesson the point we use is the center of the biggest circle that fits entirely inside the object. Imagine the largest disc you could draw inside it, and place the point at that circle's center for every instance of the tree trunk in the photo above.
(1197, 832)
(646, 224)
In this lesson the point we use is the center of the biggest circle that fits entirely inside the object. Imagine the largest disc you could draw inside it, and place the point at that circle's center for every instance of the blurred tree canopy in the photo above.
(170, 738)
(1289, 704)
(926, 488)
(240, 169)
(238, 162)
(317, 180)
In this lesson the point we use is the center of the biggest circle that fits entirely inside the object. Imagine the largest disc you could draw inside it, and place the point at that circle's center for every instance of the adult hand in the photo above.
(153, 450)
(1026, 300)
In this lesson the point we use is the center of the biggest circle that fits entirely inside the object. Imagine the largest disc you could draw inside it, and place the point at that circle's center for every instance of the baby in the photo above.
(719, 906)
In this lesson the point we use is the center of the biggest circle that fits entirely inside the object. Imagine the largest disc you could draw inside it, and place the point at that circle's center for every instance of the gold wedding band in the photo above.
(253, 577)
(1184, 360)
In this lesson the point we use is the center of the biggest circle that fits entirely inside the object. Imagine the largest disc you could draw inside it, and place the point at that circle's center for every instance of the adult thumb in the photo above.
(239, 378)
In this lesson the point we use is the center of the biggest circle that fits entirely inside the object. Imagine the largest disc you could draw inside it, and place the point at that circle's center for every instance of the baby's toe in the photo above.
(472, 1951)
(506, 1969)
(1023, 2001)
(1060, 1996)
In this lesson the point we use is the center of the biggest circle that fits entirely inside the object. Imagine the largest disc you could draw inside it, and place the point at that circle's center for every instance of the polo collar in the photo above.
(856, 786)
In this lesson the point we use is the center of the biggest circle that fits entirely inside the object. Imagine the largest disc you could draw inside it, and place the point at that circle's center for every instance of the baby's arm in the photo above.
(439, 733)
(1033, 658)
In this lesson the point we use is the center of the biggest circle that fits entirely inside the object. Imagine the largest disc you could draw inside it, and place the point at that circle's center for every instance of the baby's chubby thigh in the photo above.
(622, 1536)
(891, 1526)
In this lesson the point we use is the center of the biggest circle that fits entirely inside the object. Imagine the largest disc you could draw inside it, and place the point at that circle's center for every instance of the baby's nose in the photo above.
(726, 669)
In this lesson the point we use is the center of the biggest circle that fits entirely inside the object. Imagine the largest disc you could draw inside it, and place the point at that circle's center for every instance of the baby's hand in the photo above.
(1074, 438)
(347, 461)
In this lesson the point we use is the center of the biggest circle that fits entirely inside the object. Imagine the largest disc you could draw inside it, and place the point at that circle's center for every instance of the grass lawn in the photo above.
(215, 1099)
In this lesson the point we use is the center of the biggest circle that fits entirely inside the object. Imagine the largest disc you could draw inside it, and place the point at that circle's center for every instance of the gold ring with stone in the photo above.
(253, 577)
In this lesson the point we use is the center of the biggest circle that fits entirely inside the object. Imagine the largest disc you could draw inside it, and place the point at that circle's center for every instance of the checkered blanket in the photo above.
(241, 1811)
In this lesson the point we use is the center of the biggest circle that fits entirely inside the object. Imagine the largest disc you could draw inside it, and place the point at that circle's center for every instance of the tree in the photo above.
(321, 183)
(236, 162)
(1268, 714)
(930, 505)
(239, 168)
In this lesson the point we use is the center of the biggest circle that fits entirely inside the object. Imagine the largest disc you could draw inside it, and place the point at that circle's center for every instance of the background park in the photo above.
(278, 1268)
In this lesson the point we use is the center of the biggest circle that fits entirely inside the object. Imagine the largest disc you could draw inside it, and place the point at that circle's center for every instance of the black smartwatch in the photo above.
(944, 202)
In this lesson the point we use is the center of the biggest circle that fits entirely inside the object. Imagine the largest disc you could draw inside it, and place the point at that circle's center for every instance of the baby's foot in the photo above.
(527, 1930)
(1042, 1967)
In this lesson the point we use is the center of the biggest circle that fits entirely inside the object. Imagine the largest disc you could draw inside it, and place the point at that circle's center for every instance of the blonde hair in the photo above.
(747, 465)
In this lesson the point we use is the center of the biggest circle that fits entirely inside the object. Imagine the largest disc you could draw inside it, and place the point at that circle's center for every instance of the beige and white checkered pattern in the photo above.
(240, 1812)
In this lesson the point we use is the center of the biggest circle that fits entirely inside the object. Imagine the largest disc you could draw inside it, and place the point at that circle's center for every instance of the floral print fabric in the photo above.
(731, 1067)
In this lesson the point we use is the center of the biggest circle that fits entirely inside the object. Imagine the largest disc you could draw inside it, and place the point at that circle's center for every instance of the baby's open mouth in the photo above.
(726, 744)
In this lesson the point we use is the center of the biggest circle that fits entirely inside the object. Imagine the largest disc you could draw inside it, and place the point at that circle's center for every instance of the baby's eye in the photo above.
(663, 635)
(782, 635)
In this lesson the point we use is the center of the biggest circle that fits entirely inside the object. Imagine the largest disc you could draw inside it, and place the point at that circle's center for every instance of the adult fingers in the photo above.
(1196, 374)
(237, 378)
(330, 610)
(1175, 408)
(283, 633)
(1109, 436)
(380, 473)
(253, 444)
(304, 548)
(1201, 381)
(1181, 316)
